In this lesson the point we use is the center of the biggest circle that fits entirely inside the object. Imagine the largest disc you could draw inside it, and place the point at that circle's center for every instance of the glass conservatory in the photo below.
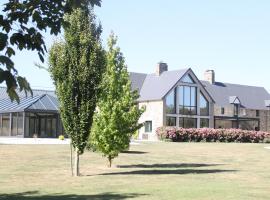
(33, 117)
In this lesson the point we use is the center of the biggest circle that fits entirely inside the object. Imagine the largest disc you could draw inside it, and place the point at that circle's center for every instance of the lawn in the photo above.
(201, 171)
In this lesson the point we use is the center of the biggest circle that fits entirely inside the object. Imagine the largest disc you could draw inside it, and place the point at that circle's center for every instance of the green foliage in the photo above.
(116, 119)
(76, 66)
(22, 24)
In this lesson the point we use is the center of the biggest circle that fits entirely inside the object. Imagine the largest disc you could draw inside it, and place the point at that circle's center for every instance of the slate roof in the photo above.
(156, 87)
(4, 95)
(137, 80)
(40, 103)
(251, 97)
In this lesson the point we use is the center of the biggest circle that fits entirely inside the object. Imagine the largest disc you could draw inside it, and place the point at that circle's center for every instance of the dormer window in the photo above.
(188, 79)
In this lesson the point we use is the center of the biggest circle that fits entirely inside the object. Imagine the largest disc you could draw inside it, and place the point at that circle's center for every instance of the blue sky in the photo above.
(231, 37)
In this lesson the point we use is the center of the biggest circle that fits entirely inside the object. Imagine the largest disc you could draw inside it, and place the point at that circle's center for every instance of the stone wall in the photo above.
(154, 112)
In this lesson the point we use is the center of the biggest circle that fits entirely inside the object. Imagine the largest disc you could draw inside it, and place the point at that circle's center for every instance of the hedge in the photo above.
(175, 134)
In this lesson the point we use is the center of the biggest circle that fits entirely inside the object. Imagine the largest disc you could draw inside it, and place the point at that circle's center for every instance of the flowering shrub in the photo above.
(211, 135)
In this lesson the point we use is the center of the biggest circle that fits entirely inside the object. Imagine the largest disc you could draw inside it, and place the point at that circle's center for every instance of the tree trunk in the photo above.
(109, 161)
(76, 163)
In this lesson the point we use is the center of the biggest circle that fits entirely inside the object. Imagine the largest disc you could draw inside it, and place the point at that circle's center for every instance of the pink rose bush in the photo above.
(175, 134)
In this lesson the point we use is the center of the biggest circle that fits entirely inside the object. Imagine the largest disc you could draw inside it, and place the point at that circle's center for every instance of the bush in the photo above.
(175, 134)
(61, 137)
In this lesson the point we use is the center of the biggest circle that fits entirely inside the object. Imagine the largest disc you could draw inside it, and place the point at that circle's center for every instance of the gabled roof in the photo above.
(156, 87)
(4, 95)
(137, 80)
(251, 97)
(41, 103)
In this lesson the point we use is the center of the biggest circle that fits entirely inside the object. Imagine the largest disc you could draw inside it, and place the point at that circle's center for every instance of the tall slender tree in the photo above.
(76, 65)
(116, 119)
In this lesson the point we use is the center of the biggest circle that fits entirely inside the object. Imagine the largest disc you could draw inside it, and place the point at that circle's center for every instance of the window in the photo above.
(204, 106)
(222, 111)
(188, 79)
(187, 122)
(204, 123)
(148, 126)
(187, 100)
(170, 121)
(5, 125)
(257, 113)
(170, 103)
(236, 109)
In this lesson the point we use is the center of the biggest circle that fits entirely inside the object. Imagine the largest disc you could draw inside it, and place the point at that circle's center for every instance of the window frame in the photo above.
(146, 127)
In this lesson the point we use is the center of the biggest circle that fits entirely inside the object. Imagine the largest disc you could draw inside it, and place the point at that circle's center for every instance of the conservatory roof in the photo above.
(38, 103)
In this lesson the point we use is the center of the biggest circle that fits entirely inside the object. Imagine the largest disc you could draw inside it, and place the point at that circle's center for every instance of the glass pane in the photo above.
(181, 95)
(14, 124)
(204, 123)
(204, 106)
(170, 102)
(5, 125)
(190, 123)
(54, 127)
(148, 126)
(170, 121)
(181, 122)
(193, 110)
(20, 124)
(187, 79)
(186, 96)
(43, 127)
(49, 127)
(193, 96)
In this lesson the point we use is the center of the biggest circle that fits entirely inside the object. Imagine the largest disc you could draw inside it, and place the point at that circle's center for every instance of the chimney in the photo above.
(161, 67)
(209, 75)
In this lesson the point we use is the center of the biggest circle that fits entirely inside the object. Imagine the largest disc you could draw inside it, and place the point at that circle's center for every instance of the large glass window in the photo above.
(20, 124)
(14, 124)
(204, 123)
(170, 121)
(170, 103)
(236, 109)
(187, 122)
(187, 100)
(204, 106)
(148, 127)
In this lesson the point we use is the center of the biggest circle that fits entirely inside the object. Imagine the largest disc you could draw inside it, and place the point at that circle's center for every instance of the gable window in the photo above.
(148, 127)
(187, 100)
(170, 103)
(222, 111)
(257, 113)
(204, 106)
(170, 121)
(187, 79)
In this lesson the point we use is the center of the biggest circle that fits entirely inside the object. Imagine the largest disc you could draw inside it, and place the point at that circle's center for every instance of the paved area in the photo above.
(267, 147)
(8, 140)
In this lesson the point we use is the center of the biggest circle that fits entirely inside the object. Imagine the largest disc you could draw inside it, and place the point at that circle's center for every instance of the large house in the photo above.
(178, 98)
(171, 98)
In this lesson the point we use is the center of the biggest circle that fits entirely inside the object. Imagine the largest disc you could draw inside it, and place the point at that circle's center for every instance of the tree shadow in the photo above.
(170, 172)
(170, 165)
(35, 195)
(134, 152)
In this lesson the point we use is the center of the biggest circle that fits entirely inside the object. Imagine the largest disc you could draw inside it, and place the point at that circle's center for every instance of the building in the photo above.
(179, 98)
(34, 116)
(171, 98)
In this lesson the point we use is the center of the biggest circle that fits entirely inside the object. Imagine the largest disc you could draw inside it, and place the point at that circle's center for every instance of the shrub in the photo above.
(61, 137)
(175, 134)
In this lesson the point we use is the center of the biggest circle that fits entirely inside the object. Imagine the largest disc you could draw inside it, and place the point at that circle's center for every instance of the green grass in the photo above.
(201, 171)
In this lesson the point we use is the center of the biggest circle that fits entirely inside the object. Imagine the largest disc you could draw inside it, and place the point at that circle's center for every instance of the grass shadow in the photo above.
(170, 165)
(35, 195)
(134, 152)
(170, 172)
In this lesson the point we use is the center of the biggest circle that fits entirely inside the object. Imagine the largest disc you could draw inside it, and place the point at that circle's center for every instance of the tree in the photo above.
(116, 119)
(22, 24)
(76, 66)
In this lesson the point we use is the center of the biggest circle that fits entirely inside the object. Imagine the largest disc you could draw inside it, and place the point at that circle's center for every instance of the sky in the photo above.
(230, 37)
